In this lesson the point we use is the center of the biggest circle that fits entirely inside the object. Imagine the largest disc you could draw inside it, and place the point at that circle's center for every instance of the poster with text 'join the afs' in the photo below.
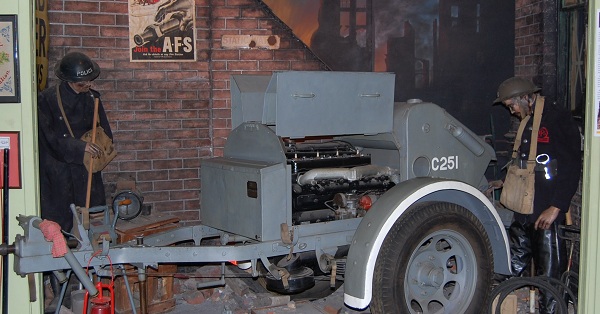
(162, 30)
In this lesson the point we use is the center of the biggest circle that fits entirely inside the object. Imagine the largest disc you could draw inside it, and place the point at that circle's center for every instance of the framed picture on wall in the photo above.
(9, 60)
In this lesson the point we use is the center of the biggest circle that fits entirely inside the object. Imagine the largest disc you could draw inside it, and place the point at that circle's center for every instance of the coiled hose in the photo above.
(551, 286)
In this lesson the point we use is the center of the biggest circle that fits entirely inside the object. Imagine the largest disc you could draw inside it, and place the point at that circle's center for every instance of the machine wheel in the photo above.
(437, 258)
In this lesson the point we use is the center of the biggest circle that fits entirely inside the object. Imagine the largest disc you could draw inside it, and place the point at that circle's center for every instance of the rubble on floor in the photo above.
(244, 294)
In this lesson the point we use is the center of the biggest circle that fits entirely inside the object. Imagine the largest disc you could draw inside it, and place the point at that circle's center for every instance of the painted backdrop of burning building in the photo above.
(453, 52)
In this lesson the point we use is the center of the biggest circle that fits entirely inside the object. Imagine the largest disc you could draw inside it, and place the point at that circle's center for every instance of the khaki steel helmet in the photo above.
(514, 87)
(76, 67)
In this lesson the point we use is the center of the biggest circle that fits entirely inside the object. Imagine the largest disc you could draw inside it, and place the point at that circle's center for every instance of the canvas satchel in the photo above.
(102, 140)
(105, 143)
(518, 189)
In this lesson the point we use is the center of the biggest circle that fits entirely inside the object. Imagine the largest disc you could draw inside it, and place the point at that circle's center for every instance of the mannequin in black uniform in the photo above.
(63, 176)
(535, 236)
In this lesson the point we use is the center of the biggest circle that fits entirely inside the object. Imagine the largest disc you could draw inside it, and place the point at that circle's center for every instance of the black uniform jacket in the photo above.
(559, 137)
(63, 177)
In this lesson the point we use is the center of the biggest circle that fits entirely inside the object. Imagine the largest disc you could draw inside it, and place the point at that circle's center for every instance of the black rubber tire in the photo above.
(459, 278)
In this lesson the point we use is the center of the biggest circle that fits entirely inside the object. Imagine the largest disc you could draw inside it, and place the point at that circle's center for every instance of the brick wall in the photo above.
(536, 40)
(167, 116)
(536, 46)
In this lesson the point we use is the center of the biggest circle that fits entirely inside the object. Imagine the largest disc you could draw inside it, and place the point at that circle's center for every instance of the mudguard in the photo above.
(376, 224)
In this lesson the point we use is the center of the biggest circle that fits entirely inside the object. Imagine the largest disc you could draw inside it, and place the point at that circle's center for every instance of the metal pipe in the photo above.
(129, 294)
(63, 288)
(80, 273)
(350, 174)
(470, 142)
(143, 292)
(220, 282)
(60, 275)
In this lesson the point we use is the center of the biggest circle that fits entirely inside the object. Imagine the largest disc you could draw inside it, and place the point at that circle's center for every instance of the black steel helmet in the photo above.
(76, 67)
(514, 87)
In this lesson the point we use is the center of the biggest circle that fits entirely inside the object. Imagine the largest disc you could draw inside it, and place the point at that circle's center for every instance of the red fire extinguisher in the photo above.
(101, 304)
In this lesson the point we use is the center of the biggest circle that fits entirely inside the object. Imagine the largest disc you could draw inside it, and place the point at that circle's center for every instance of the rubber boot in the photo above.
(551, 261)
(520, 247)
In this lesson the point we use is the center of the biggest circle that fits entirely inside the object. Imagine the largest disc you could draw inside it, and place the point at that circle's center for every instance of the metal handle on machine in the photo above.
(310, 95)
(370, 95)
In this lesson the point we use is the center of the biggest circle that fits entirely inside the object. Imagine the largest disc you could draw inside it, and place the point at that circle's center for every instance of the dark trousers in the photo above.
(545, 248)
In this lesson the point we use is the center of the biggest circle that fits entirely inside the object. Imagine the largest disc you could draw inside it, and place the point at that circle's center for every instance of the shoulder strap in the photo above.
(518, 138)
(62, 110)
(537, 118)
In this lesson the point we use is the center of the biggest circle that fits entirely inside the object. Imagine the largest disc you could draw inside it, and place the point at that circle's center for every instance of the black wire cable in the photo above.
(551, 286)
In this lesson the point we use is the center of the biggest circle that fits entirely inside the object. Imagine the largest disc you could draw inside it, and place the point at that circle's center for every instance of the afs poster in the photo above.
(162, 30)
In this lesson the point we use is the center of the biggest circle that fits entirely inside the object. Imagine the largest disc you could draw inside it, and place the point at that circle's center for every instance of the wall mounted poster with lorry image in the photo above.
(162, 30)
(9, 66)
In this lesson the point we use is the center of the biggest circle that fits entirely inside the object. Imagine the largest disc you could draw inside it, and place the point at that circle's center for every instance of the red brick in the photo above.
(256, 54)
(97, 19)
(180, 94)
(184, 153)
(152, 154)
(80, 30)
(167, 164)
(241, 2)
(102, 41)
(153, 175)
(195, 123)
(150, 94)
(114, 31)
(175, 174)
(221, 12)
(226, 54)
(165, 144)
(191, 163)
(150, 75)
(151, 196)
(169, 105)
(274, 65)
(166, 124)
(241, 23)
(182, 134)
(184, 195)
(65, 18)
(182, 114)
(83, 6)
(132, 145)
(191, 184)
(168, 185)
(168, 85)
(197, 142)
(58, 41)
(114, 7)
(253, 13)
(135, 165)
(242, 65)
(169, 206)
